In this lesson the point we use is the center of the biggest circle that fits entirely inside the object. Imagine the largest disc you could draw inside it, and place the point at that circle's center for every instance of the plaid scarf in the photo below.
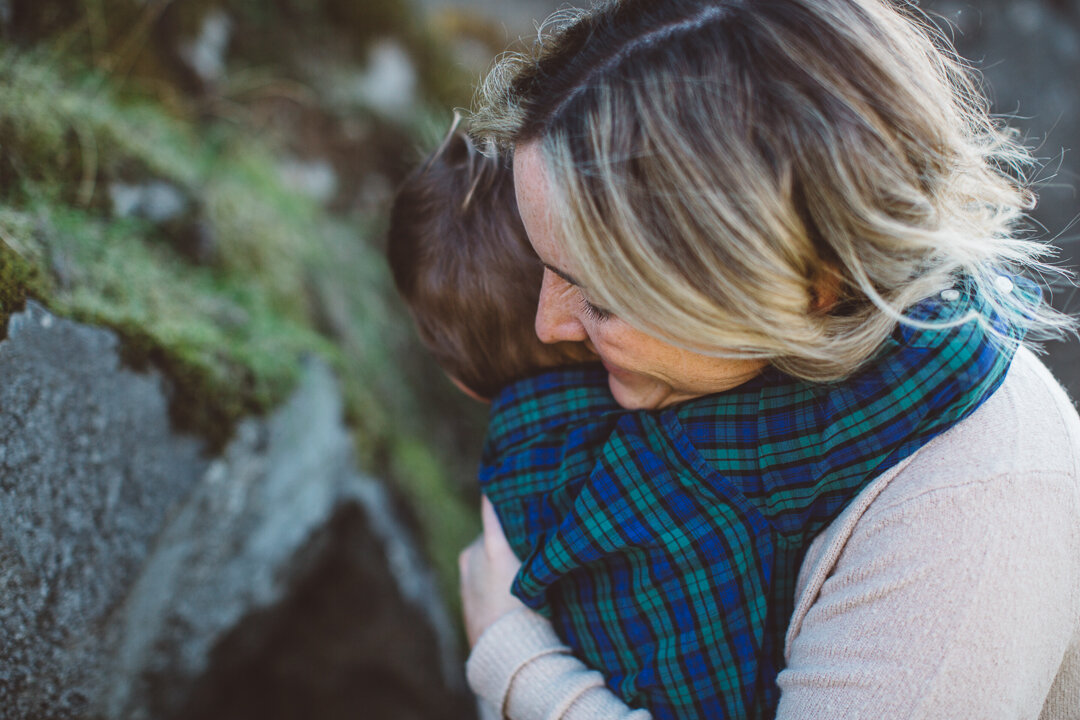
(665, 545)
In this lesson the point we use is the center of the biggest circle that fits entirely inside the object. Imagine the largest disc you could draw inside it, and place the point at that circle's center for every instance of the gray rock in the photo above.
(205, 54)
(232, 549)
(387, 85)
(1029, 54)
(142, 580)
(157, 201)
(89, 470)
(179, 217)
(315, 179)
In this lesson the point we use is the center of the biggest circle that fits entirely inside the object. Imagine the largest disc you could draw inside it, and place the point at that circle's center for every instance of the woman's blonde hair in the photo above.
(724, 169)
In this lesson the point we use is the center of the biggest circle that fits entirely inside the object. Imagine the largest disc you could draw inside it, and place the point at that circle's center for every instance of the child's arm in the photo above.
(520, 666)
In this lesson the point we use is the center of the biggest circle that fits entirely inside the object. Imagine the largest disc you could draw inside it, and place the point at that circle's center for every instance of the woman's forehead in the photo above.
(530, 174)
(534, 202)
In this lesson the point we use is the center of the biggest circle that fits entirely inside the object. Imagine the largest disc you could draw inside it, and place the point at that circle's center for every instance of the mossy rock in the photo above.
(98, 94)
(287, 279)
(141, 45)
(17, 280)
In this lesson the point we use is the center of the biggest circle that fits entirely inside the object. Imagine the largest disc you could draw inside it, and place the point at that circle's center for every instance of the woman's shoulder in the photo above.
(961, 564)
(1028, 427)
(1019, 453)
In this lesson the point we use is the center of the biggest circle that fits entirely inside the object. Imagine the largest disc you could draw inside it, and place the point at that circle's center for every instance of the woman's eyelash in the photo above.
(592, 311)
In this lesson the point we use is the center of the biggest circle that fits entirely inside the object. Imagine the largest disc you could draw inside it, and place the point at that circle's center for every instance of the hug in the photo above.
(810, 467)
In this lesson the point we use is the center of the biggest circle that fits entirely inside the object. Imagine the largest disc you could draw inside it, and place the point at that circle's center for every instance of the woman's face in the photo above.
(643, 372)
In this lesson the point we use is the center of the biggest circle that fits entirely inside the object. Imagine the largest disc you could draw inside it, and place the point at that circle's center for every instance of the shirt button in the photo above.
(950, 294)
(1003, 284)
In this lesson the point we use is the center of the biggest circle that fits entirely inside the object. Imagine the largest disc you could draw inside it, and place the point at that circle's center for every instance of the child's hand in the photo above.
(487, 567)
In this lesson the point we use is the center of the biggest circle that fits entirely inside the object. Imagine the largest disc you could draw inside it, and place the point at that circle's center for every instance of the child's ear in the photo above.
(468, 390)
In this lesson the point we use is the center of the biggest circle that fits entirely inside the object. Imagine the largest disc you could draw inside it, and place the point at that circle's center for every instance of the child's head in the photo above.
(463, 264)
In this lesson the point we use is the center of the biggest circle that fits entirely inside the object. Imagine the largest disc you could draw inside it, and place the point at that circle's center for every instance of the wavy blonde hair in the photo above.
(722, 168)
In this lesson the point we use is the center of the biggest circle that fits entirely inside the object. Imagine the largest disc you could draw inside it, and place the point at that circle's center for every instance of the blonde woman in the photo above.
(772, 197)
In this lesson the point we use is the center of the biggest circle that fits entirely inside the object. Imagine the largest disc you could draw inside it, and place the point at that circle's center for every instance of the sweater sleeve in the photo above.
(957, 602)
(520, 667)
(960, 601)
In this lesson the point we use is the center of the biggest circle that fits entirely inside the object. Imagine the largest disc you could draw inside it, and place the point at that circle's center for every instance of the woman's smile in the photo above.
(643, 372)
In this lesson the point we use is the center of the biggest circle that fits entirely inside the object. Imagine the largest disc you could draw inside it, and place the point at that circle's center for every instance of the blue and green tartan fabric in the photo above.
(665, 546)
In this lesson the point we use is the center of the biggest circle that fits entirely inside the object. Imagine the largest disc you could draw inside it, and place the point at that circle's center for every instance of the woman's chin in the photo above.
(635, 392)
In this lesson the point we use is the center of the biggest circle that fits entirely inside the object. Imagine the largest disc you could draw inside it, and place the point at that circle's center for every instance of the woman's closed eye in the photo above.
(593, 312)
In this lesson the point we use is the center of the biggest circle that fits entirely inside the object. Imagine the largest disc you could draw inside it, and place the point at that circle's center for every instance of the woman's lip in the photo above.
(615, 370)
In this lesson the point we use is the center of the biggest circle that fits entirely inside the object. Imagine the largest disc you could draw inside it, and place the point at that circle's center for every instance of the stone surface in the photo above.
(89, 472)
(142, 580)
(516, 16)
(205, 54)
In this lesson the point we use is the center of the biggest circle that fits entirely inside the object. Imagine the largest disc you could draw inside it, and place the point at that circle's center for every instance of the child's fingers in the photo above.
(465, 558)
(488, 517)
(494, 538)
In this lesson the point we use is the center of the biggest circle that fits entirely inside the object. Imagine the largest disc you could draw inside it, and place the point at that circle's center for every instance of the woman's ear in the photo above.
(825, 290)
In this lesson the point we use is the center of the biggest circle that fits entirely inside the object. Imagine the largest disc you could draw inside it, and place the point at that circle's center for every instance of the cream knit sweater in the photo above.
(949, 588)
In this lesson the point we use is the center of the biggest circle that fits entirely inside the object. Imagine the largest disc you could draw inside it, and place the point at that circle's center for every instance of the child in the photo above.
(663, 545)
(463, 265)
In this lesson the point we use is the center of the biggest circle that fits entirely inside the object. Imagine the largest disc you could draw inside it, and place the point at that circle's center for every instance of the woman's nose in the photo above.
(557, 314)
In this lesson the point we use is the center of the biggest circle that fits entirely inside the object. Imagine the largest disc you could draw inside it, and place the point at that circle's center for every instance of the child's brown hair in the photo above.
(463, 264)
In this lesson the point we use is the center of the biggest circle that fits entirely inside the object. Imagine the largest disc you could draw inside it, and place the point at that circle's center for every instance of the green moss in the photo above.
(68, 137)
(17, 278)
(448, 522)
(228, 349)
(230, 337)
(286, 279)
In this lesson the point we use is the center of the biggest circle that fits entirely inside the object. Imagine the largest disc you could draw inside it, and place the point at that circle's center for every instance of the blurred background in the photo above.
(232, 484)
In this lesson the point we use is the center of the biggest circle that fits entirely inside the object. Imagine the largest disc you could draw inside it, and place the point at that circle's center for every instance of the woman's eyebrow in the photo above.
(564, 275)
